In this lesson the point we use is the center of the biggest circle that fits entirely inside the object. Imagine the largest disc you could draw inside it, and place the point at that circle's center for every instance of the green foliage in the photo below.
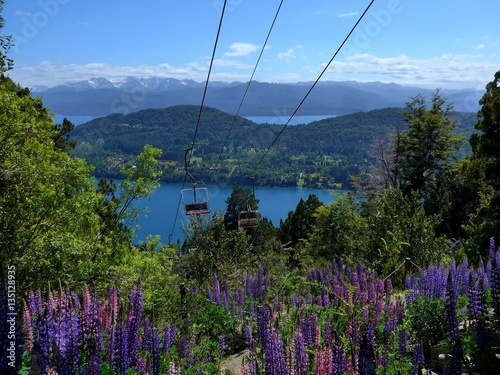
(428, 146)
(324, 154)
(484, 171)
(212, 249)
(427, 321)
(339, 231)
(240, 200)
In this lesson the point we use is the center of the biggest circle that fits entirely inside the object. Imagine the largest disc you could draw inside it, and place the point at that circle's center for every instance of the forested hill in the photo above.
(321, 154)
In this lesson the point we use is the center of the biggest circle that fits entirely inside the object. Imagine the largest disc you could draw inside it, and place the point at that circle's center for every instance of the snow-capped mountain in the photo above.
(130, 84)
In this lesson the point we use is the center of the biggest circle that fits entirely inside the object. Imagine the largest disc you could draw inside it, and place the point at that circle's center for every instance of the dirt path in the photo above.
(233, 363)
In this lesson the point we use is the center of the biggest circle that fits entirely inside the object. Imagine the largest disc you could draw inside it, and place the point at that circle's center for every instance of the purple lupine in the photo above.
(263, 322)
(328, 334)
(93, 365)
(275, 362)
(170, 333)
(338, 367)
(451, 309)
(121, 359)
(146, 339)
(418, 361)
(300, 354)
(155, 351)
(190, 352)
(209, 295)
(182, 347)
(134, 323)
(217, 298)
(222, 346)
(326, 298)
(366, 364)
(248, 336)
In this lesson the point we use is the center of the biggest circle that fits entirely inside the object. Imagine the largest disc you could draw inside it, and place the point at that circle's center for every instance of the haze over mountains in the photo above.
(100, 96)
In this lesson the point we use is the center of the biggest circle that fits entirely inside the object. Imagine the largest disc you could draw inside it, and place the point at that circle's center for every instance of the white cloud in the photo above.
(288, 55)
(446, 71)
(351, 14)
(241, 49)
(480, 46)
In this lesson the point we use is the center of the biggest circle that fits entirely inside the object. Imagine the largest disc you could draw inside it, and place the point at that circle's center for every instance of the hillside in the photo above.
(322, 154)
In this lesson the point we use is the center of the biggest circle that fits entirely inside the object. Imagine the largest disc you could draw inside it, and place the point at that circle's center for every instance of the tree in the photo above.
(214, 249)
(484, 172)
(6, 43)
(338, 231)
(428, 146)
(298, 223)
(240, 200)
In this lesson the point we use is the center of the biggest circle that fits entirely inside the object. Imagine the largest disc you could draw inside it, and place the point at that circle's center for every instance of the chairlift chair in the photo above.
(248, 219)
(196, 206)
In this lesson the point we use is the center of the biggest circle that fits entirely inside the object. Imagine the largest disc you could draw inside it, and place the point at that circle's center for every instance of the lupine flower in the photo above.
(121, 361)
(323, 361)
(338, 367)
(263, 316)
(418, 361)
(275, 355)
(248, 336)
(169, 337)
(217, 298)
(222, 347)
(450, 307)
(133, 324)
(182, 347)
(300, 354)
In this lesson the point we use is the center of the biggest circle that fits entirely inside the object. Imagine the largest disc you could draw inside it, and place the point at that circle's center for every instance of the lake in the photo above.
(274, 203)
(279, 120)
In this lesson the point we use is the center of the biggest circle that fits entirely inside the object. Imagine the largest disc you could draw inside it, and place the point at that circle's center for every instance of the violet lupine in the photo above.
(338, 365)
(155, 351)
(222, 347)
(275, 355)
(121, 359)
(209, 295)
(170, 333)
(418, 361)
(217, 298)
(366, 364)
(300, 354)
(263, 323)
(182, 347)
(93, 366)
(190, 352)
(248, 336)
(133, 324)
(451, 307)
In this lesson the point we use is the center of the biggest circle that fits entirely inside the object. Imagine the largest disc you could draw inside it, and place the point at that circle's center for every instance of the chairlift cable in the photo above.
(199, 116)
(206, 83)
(249, 82)
(312, 87)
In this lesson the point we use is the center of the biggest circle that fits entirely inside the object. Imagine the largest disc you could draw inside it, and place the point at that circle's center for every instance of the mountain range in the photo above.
(101, 97)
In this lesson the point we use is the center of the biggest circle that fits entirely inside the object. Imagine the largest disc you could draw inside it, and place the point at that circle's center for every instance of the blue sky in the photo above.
(427, 43)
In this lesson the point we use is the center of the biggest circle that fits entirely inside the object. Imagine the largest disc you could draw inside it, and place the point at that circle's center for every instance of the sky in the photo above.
(450, 44)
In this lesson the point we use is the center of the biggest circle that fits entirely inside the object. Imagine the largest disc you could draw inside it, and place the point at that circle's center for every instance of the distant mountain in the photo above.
(101, 97)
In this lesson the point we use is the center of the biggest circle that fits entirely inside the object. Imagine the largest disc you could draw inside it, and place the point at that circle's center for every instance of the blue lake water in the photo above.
(281, 120)
(165, 214)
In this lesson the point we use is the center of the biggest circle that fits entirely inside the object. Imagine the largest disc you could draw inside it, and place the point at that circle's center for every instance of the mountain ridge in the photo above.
(100, 96)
